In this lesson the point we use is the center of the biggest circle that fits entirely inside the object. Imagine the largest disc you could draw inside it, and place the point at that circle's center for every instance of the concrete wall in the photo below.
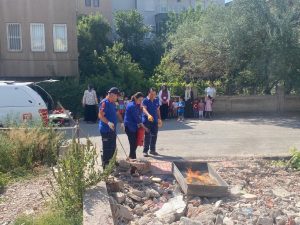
(35, 65)
(256, 104)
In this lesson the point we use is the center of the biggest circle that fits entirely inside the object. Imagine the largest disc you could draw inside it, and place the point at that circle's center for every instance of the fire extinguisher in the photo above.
(140, 136)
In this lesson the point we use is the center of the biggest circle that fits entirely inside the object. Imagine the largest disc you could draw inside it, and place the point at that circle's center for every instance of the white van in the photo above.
(23, 102)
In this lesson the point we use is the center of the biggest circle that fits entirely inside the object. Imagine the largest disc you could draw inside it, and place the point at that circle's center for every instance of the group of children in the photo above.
(202, 107)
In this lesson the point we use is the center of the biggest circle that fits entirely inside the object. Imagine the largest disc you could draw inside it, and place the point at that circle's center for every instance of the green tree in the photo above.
(264, 45)
(130, 28)
(250, 47)
(168, 72)
(119, 70)
(93, 38)
(199, 44)
(131, 31)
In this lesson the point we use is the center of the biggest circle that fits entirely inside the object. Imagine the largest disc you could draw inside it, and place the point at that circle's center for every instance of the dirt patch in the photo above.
(27, 197)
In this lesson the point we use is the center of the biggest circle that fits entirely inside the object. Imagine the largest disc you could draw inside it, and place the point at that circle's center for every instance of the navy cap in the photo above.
(114, 90)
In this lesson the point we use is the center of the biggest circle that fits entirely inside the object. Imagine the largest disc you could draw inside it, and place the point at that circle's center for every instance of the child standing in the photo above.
(126, 101)
(180, 109)
(196, 109)
(121, 105)
(208, 107)
(201, 107)
(175, 105)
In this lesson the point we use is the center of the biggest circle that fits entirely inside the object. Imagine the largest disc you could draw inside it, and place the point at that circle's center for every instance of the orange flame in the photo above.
(196, 176)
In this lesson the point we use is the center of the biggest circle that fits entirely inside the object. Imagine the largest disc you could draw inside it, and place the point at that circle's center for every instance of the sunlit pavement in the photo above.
(235, 136)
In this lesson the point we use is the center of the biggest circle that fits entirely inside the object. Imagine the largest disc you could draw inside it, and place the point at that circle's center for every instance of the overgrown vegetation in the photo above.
(74, 173)
(26, 147)
(251, 47)
(50, 217)
(293, 162)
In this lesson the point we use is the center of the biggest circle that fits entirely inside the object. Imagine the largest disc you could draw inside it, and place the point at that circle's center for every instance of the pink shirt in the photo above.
(208, 105)
(201, 106)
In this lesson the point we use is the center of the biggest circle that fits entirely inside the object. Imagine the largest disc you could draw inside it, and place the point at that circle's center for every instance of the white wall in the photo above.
(149, 8)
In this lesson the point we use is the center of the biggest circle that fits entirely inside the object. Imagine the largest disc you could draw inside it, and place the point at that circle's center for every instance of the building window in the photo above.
(14, 37)
(60, 39)
(96, 3)
(37, 34)
(88, 3)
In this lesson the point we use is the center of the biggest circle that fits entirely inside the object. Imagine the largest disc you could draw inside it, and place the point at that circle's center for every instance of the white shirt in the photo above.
(210, 91)
(187, 93)
(160, 98)
(89, 97)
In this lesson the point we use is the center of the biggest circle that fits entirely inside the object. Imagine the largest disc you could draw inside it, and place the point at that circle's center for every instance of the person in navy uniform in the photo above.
(133, 121)
(109, 116)
(151, 120)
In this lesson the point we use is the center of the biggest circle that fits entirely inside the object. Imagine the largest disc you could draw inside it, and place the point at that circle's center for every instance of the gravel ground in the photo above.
(260, 194)
(25, 197)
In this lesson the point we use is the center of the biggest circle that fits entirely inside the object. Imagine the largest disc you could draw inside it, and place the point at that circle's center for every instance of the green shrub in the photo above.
(6, 159)
(295, 160)
(28, 146)
(55, 217)
(75, 172)
(3, 181)
(23, 148)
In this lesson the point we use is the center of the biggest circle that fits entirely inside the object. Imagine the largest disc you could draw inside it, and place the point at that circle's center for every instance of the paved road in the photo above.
(221, 137)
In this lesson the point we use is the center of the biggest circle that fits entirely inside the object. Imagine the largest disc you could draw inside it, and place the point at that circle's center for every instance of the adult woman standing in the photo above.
(90, 102)
(164, 99)
(133, 120)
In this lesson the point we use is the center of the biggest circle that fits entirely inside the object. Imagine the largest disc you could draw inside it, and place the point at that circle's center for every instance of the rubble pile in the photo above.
(260, 194)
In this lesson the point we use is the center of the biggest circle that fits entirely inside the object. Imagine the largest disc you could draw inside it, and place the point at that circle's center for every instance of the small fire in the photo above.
(196, 176)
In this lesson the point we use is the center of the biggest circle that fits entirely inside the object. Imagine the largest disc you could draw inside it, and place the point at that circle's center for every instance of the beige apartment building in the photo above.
(38, 39)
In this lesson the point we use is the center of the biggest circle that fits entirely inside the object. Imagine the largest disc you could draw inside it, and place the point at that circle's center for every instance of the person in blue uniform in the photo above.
(151, 120)
(109, 116)
(132, 121)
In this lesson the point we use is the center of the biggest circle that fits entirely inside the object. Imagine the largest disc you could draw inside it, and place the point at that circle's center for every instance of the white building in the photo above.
(153, 11)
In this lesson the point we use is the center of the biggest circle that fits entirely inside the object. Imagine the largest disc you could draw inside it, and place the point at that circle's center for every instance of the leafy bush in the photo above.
(55, 217)
(25, 147)
(117, 69)
(6, 159)
(293, 163)
(295, 160)
(93, 37)
(75, 172)
(3, 181)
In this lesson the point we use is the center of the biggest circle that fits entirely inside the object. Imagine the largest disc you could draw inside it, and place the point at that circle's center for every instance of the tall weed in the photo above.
(27, 147)
(295, 160)
(76, 171)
